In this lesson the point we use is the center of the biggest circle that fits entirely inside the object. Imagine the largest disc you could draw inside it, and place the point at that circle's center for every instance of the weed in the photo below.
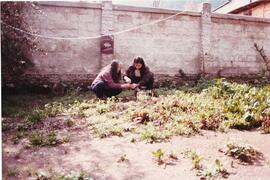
(40, 139)
(36, 139)
(52, 109)
(35, 116)
(12, 172)
(107, 130)
(69, 122)
(18, 135)
(214, 172)
(5, 127)
(244, 152)
(210, 121)
(122, 158)
(173, 156)
(266, 123)
(158, 154)
(140, 117)
(196, 159)
(74, 176)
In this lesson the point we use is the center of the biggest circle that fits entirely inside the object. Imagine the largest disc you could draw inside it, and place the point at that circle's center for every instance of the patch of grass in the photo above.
(18, 135)
(21, 104)
(35, 116)
(40, 139)
(207, 104)
(12, 172)
(108, 130)
(74, 176)
(54, 108)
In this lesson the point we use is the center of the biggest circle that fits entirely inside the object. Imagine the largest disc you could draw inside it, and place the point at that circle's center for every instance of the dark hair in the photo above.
(139, 60)
(116, 76)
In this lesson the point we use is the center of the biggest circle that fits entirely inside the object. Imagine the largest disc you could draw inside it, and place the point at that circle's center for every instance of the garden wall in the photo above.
(196, 43)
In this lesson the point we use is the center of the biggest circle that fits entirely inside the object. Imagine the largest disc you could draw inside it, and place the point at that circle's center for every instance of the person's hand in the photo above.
(134, 86)
(127, 79)
(126, 85)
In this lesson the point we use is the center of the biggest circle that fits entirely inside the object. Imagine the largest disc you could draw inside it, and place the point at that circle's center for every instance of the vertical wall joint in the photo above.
(205, 36)
(107, 40)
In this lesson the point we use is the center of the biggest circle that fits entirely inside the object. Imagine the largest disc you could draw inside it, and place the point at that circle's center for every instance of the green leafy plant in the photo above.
(52, 109)
(216, 171)
(158, 154)
(40, 139)
(196, 159)
(244, 152)
(35, 116)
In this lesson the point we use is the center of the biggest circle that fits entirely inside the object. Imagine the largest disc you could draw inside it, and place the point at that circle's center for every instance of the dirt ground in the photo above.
(100, 158)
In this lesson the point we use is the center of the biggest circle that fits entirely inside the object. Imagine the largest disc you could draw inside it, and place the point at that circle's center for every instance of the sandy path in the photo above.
(98, 157)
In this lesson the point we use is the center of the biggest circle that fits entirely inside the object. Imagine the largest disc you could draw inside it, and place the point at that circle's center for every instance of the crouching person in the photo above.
(107, 83)
(140, 75)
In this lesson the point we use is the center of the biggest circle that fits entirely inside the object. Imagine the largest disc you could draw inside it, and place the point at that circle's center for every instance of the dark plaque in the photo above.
(107, 44)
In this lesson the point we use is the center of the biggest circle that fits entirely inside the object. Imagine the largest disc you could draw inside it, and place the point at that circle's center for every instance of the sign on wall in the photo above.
(107, 44)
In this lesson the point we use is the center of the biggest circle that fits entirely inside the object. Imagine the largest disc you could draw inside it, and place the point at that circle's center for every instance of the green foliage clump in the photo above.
(40, 139)
(243, 152)
(35, 116)
(216, 171)
(196, 159)
(243, 105)
(54, 108)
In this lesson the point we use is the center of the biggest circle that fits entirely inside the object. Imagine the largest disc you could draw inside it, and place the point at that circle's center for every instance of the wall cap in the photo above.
(240, 17)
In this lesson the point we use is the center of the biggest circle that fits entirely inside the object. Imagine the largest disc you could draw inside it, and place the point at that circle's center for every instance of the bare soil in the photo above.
(101, 158)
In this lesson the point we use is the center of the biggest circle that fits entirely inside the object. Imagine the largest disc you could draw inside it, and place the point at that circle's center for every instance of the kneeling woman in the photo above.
(140, 74)
(107, 83)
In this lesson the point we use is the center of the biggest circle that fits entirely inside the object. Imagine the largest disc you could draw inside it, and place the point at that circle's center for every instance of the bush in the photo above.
(35, 116)
(16, 46)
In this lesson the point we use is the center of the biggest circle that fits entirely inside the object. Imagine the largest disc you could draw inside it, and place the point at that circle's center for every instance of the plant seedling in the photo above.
(158, 154)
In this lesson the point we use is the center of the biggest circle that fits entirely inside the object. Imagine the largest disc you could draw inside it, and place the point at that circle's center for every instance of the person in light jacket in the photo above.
(107, 83)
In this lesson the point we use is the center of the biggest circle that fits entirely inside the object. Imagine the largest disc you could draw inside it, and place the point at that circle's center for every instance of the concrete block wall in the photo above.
(67, 56)
(232, 45)
(166, 46)
(196, 43)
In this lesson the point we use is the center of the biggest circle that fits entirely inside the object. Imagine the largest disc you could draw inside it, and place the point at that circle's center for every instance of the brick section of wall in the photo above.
(193, 42)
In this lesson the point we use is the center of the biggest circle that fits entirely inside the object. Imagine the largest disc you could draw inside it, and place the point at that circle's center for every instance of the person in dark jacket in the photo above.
(107, 83)
(140, 74)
